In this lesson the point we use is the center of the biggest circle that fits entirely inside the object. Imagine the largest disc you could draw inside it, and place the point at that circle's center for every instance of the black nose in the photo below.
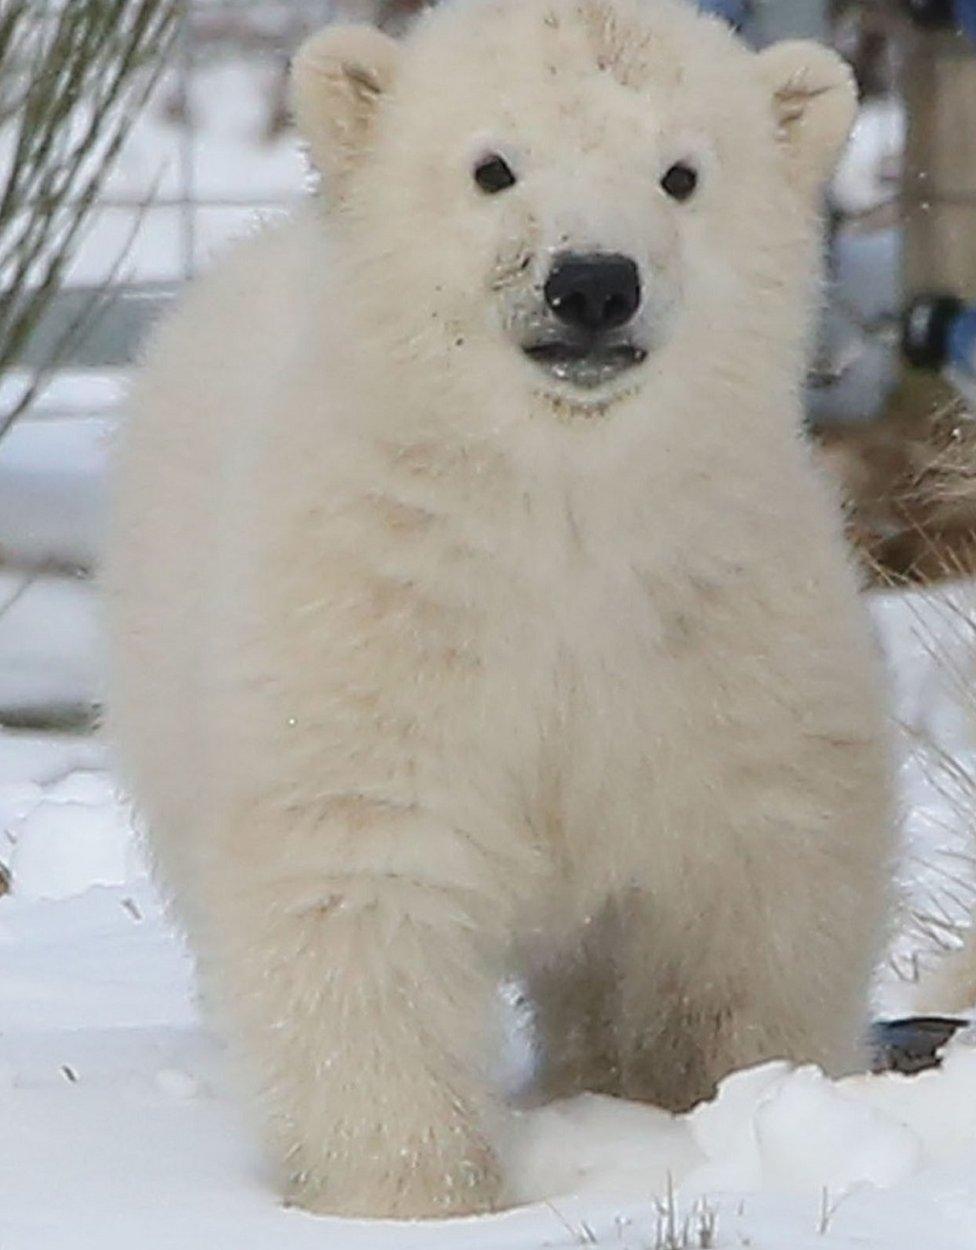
(593, 292)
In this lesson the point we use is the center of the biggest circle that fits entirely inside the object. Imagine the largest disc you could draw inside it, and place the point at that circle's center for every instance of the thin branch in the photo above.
(71, 86)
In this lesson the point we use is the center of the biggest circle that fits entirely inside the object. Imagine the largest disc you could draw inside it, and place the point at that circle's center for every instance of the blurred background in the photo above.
(138, 138)
(197, 149)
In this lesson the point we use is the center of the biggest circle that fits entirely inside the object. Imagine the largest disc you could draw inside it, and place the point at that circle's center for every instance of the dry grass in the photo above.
(908, 482)
(909, 486)
(697, 1230)
(73, 77)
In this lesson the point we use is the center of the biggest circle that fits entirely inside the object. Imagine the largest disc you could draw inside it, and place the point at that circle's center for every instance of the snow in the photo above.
(49, 641)
(869, 169)
(52, 497)
(61, 848)
(78, 392)
(120, 1126)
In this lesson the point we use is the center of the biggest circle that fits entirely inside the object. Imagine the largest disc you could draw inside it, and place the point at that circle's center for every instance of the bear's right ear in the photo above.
(337, 80)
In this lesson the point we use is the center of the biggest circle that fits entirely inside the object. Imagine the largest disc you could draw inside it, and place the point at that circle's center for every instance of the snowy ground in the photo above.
(118, 1129)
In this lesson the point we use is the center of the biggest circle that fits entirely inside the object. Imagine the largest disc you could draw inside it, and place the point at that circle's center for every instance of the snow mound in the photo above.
(752, 1141)
(68, 838)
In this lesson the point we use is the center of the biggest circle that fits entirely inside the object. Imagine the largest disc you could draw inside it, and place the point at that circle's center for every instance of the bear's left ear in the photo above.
(814, 101)
(338, 79)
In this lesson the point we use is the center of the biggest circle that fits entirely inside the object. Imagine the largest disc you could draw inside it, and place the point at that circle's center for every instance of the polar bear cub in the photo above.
(476, 610)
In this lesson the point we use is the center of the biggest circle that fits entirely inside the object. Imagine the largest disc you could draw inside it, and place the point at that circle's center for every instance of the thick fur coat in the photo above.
(432, 667)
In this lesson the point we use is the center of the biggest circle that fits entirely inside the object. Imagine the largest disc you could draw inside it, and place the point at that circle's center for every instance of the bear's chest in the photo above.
(599, 636)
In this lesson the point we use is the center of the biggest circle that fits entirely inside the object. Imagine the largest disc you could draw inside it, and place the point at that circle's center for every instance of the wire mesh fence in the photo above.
(207, 156)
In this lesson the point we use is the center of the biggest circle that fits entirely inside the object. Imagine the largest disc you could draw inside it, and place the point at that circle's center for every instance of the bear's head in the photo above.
(612, 193)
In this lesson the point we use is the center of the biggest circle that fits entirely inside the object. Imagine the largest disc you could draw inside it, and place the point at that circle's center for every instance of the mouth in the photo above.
(585, 365)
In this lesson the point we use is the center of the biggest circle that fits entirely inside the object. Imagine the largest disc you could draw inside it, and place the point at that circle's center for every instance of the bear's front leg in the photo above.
(363, 1006)
(779, 973)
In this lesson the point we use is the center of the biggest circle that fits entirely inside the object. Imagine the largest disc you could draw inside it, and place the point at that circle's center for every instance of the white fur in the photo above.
(951, 985)
(428, 670)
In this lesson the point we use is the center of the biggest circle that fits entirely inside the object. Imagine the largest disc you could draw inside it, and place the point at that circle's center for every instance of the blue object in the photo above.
(734, 12)
(913, 1044)
(966, 17)
(961, 344)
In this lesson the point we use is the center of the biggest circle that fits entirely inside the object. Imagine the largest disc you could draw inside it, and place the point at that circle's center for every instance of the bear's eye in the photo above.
(680, 181)
(493, 174)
